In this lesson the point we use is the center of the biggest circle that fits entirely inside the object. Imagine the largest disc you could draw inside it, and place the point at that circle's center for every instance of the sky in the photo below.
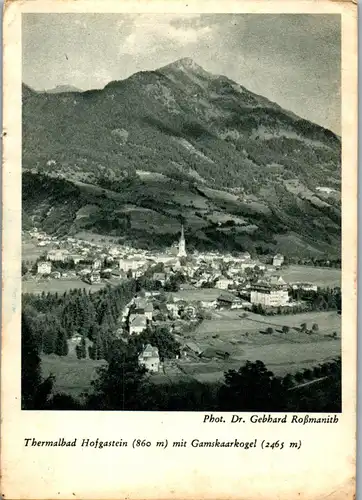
(292, 59)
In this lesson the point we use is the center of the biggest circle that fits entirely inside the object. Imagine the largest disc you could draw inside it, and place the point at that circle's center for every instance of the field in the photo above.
(72, 376)
(62, 285)
(246, 339)
(317, 275)
(230, 323)
(31, 252)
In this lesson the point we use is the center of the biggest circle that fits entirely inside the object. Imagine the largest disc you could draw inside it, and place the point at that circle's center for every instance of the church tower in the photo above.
(182, 244)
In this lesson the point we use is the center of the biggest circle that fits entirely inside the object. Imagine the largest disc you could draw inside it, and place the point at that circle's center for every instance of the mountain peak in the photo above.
(185, 64)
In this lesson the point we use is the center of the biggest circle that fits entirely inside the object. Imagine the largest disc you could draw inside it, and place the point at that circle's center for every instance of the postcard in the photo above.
(179, 250)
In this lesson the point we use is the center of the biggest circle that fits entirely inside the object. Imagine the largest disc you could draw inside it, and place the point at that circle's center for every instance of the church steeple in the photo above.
(182, 244)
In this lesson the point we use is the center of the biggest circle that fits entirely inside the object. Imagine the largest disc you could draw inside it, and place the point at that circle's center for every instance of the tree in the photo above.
(285, 329)
(61, 344)
(307, 374)
(34, 390)
(62, 401)
(269, 330)
(317, 372)
(288, 381)
(298, 377)
(119, 385)
(24, 268)
(303, 327)
(252, 388)
(315, 327)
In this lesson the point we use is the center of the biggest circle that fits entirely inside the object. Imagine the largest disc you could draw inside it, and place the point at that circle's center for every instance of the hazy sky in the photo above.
(293, 60)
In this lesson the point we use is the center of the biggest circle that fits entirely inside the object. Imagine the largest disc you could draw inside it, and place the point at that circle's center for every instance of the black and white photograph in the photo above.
(181, 212)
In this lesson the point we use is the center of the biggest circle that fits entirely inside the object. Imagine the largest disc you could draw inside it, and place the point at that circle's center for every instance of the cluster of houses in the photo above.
(235, 273)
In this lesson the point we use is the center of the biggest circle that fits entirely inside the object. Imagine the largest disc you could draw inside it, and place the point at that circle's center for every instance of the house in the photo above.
(58, 255)
(190, 310)
(277, 280)
(278, 260)
(233, 271)
(95, 278)
(137, 324)
(209, 304)
(113, 251)
(326, 190)
(76, 258)
(153, 293)
(308, 287)
(130, 264)
(173, 309)
(237, 304)
(75, 342)
(44, 267)
(161, 277)
(97, 264)
(150, 359)
(269, 295)
(137, 273)
(226, 300)
(223, 283)
(85, 271)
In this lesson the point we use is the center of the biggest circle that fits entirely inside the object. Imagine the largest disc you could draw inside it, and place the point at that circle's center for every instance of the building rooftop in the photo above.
(150, 352)
(139, 320)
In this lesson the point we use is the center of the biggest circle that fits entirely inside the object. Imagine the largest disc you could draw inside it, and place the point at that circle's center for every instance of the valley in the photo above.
(179, 226)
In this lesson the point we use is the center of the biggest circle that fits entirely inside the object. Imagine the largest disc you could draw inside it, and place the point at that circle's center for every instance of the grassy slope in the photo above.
(148, 213)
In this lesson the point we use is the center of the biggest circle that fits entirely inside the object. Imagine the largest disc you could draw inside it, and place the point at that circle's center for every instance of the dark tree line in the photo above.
(55, 318)
(124, 385)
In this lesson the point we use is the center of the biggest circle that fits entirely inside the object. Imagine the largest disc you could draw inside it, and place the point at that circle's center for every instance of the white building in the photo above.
(278, 260)
(269, 295)
(44, 267)
(209, 304)
(95, 278)
(150, 359)
(131, 264)
(223, 283)
(138, 324)
(308, 287)
(60, 255)
(97, 264)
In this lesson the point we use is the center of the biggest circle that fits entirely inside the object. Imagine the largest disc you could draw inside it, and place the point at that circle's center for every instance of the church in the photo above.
(182, 244)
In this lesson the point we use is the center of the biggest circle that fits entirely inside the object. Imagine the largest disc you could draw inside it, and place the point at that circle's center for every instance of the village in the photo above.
(216, 306)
